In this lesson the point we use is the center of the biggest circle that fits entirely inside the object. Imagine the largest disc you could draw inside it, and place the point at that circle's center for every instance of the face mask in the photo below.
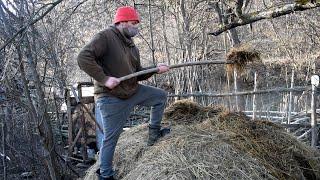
(130, 31)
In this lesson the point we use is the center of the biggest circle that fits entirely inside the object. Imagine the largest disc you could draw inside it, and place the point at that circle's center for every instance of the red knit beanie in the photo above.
(126, 13)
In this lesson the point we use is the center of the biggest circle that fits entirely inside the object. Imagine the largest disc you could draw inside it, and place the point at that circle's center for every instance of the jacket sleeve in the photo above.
(89, 56)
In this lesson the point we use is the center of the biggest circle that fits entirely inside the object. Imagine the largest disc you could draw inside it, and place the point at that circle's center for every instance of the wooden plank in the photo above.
(267, 117)
(297, 121)
(302, 125)
(304, 134)
(84, 100)
(272, 112)
(76, 139)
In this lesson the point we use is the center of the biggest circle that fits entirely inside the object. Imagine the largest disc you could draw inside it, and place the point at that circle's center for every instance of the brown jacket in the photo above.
(110, 53)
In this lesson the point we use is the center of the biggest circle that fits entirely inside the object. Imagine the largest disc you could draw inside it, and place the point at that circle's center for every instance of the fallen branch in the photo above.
(154, 70)
(268, 14)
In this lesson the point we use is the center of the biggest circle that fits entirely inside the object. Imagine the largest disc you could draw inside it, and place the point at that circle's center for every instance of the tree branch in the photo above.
(268, 14)
(238, 9)
(54, 4)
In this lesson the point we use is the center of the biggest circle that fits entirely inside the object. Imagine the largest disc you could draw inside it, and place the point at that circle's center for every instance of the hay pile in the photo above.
(216, 145)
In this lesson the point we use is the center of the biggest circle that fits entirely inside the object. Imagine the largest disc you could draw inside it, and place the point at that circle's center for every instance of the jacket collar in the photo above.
(127, 41)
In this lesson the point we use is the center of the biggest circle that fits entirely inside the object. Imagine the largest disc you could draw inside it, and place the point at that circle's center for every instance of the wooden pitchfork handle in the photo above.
(156, 69)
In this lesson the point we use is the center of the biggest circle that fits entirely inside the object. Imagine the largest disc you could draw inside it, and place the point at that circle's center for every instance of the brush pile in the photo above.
(211, 143)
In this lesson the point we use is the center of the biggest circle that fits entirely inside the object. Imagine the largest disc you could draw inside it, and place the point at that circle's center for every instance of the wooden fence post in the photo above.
(70, 126)
(235, 77)
(314, 128)
(290, 98)
(83, 125)
(254, 104)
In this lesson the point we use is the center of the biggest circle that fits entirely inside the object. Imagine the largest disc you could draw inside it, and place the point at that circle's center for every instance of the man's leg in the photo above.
(156, 98)
(153, 97)
(114, 113)
(99, 133)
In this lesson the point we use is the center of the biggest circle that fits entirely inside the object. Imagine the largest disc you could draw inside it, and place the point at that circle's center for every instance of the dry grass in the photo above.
(217, 145)
(281, 153)
(240, 57)
(188, 112)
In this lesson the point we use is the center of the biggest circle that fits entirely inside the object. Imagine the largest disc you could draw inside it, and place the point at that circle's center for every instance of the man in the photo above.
(109, 55)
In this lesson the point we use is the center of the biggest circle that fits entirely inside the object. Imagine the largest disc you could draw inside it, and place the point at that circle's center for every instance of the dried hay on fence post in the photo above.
(220, 145)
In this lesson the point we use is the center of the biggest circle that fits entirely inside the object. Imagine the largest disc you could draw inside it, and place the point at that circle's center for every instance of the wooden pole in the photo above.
(235, 77)
(83, 126)
(314, 129)
(70, 122)
(154, 70)
(254, 96)
(229, 89)
(290, 97)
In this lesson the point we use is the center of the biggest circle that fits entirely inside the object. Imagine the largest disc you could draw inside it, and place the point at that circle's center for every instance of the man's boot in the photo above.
(103, 178)
(164, 131)
(154, 134)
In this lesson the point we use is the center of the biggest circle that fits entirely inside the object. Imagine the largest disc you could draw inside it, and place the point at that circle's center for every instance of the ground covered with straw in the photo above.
(211, 143)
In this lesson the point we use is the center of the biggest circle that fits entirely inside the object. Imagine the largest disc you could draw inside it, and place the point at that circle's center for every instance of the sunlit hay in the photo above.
(188, 112)
(281, 153)
(222, 146)
(239, 57)
(91, 172)
(131, 146)
(194, 153)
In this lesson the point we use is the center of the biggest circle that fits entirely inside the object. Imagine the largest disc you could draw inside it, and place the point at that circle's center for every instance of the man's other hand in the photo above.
(162, 68)
(112, 82)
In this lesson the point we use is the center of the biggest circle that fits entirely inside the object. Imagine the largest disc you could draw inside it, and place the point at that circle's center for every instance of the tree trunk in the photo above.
(44, 125)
